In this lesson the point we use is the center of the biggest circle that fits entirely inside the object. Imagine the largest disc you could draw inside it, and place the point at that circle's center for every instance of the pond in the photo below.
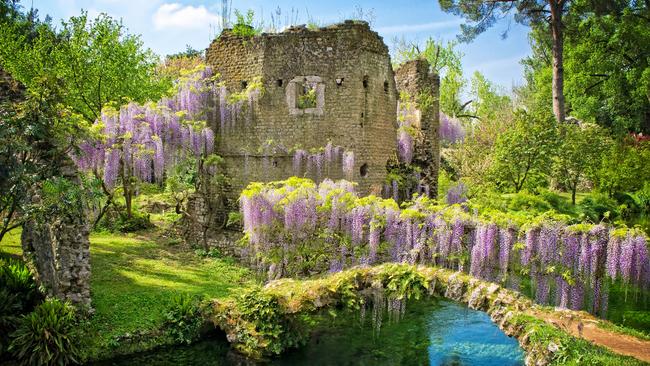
(430, 333)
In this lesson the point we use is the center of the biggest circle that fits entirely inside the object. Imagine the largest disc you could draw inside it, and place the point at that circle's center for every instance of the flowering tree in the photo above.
(138, 143)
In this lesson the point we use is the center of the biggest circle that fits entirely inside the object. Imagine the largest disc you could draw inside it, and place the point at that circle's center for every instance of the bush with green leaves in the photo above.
(45, 336)
(244, 27)
(17, 279)
(184, 318)
(18, 295)
(597, 206)
(117, 220)
(278, 329)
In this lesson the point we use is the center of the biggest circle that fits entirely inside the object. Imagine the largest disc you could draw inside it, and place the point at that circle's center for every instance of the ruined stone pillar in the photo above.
(58, 248)
(416, 82)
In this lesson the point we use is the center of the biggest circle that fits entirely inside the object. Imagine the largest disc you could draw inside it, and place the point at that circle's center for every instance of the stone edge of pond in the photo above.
(508, 309)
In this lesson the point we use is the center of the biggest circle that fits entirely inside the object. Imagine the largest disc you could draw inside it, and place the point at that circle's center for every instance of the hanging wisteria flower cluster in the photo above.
(406, 115)
(298, 227)
(451, 129)
(456, 194)
(235, 107)
(320, 163)
(143, 141)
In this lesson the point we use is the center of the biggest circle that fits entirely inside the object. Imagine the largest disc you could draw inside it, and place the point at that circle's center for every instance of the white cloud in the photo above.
(414, 28)
(175, 15)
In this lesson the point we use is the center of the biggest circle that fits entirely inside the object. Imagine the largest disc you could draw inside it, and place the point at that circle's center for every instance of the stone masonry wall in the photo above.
(59, 249)
(356, 98)
(422, 86)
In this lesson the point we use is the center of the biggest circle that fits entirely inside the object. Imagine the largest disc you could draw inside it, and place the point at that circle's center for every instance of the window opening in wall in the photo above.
(362, 114)
(279, 82)
(306, 97)
(275, 163)
(386, 86)
(365, 81)
(363, 170)
(244, 84)
(339, 81)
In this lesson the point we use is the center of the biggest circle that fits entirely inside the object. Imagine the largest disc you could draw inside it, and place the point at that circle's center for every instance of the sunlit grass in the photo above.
(10, 243)
(134, 279)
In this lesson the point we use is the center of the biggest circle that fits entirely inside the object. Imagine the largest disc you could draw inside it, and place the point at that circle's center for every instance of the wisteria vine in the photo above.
(144, 141)
(297, 227)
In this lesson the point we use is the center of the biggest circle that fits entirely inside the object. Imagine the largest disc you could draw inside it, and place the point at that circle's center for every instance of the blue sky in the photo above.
(166, 26)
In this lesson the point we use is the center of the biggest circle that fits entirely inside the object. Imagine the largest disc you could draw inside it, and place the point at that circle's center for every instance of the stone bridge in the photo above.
(247, 329)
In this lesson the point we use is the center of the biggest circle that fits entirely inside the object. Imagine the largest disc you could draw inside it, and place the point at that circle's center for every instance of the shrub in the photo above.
(10, 310)
(597, 207)
(117, 220)
(526, 201)
(184, 319)
(557, 202)
(17, 280)
(44, 337)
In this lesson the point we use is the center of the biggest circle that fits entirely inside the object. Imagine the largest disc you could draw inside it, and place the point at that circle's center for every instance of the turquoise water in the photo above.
(430, 333)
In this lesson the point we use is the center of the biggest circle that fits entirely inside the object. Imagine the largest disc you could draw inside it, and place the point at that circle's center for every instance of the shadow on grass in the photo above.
(134, 280)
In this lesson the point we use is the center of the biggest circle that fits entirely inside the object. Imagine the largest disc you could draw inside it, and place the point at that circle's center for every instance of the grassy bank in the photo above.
(134, 278)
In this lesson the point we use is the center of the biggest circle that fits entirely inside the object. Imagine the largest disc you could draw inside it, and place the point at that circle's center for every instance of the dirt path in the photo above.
(585, 326)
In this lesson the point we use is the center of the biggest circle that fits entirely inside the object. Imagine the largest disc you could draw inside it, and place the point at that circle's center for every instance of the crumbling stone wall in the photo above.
(59, 249)
(355, 105)
(421, 86)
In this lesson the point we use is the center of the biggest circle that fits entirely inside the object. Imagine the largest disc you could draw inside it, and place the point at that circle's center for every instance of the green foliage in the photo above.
(212, 253)
(17, 279)
(45, 336)
(278, 330)
(243, 26)
(184, 318)
(18, 295)
(403, 282)
(524, 152)
(489, 103)
(525, 201)
(624, 167)
(134, 280)
(307, 99)
(445, 60)
(597, 207)
(234, 218)
(606, 64)
(579, 154)
(190, 52)
(118, 220)
(95, 62)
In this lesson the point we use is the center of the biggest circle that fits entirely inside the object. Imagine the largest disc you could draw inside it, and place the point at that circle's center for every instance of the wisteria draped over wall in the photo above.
(298, 227)
(451, 129)
(145, 140)
(407, 115)
(235, 107)
(320, 163)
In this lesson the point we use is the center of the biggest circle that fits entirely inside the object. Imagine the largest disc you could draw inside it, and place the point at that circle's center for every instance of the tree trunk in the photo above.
(126, 186)
(557, 7)
(573, 194)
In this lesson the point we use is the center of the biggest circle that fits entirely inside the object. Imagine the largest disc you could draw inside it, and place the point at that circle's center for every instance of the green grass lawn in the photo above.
(134, 278)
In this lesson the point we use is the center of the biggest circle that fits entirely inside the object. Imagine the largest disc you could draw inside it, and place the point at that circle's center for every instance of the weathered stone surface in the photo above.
(414, 78)
(355, 104)
(59, 249)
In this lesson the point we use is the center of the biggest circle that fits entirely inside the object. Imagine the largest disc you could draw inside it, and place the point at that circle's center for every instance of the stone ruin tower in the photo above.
(420, 104)
(327, 85)
(303, 90)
